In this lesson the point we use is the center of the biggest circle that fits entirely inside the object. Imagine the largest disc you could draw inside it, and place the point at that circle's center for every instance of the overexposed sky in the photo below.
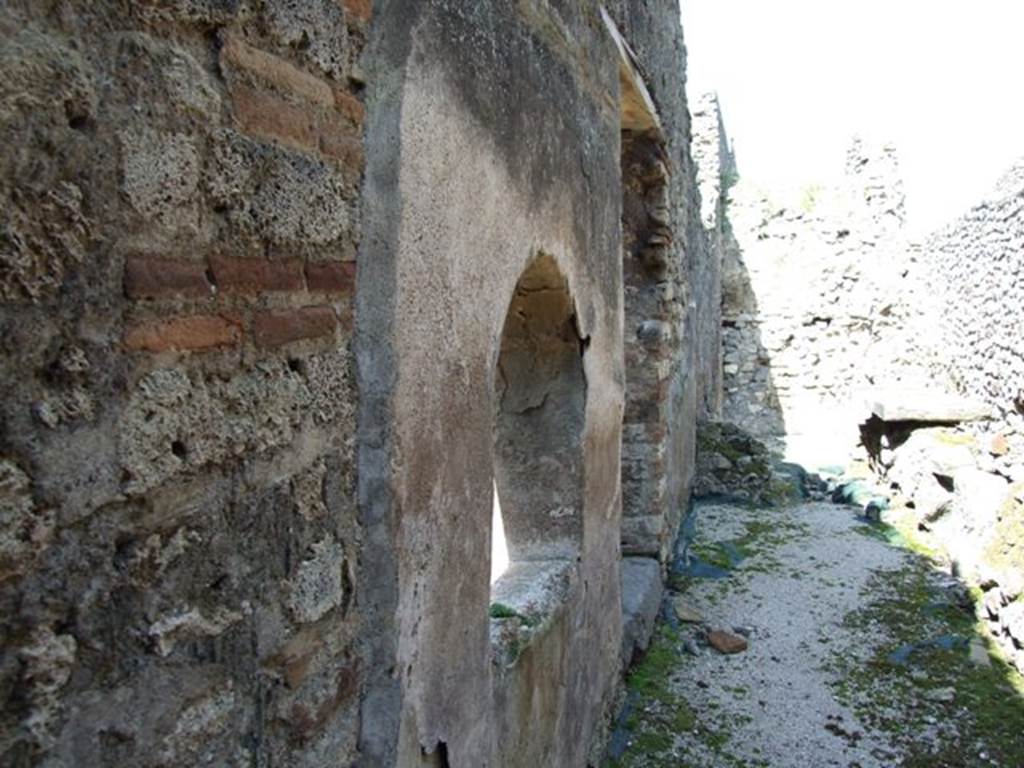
(942, 79)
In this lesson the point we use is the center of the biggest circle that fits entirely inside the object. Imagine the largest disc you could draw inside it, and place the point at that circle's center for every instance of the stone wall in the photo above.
(671, 310)
(973, 270)
(246, 509)
(816, 305)
(973, 273)
(716, 175)
(179, 545)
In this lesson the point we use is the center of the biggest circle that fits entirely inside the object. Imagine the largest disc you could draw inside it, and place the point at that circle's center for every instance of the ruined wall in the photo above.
(816, 303)
(512, 112)
(973, 270)
(658, 430)
(178, 537)
(716, 175)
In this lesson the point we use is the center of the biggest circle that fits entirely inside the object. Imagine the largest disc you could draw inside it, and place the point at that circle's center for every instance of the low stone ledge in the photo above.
(922, 406)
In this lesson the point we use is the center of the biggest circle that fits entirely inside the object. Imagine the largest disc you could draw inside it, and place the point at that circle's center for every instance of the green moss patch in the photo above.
(925, 651)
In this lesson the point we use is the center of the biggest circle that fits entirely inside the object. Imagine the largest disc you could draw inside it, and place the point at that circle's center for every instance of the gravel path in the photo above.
(807, 691)
(791, 601)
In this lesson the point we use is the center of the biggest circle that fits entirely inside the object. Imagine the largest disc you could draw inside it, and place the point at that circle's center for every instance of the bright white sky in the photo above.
(942, 79)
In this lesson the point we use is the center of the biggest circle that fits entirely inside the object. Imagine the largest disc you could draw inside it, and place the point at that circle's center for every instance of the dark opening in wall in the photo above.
(539, 403)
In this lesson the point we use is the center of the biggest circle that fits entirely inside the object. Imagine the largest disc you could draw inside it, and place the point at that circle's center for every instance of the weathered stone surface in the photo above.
(685, 612)
(319, 585)
(732, 462)
(202, 560)
(161, 176)
(641, 599)
(1012, 622)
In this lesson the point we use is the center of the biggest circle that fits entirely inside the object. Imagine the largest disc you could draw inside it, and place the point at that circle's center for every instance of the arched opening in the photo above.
(539, 401)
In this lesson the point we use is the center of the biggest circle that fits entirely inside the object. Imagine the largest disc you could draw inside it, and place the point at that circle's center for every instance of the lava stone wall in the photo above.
(178, 537)
(974, 273)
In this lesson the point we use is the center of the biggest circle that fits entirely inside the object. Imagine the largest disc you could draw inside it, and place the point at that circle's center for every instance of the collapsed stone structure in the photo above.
(292, 295)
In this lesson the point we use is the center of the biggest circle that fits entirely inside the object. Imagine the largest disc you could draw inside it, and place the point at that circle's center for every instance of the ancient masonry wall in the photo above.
(178, 534)
(192, 571)
(716, 174)
(815, 303)
(973, 271)
(672, 351)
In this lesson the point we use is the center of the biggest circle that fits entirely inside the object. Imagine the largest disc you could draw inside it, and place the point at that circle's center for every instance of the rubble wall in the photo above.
(676, 347)
(815, 304)
(974, 273)
(180, 547)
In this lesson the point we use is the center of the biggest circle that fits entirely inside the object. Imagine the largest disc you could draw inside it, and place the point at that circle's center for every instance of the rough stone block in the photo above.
(285, 197)
(161, 176)
(315, 29)
(203, 12)
(175, 423)
(24, 529)
(165, 78)
(167, 631)
(641, 600)
(934, 407)
(46, 237)
(318, 586)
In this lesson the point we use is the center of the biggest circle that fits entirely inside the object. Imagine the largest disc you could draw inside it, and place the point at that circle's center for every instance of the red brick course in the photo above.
(362, 10)
(274, 71)
(276, 328)
(265, 115)
(183, 333)
(234, 275)
(331, 277)
(154, 278)
(335, 135)
(350, 107)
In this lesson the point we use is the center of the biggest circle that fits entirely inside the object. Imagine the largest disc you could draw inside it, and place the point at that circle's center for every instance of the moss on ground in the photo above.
(755, 549)
(659, 713)
(926, 649)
